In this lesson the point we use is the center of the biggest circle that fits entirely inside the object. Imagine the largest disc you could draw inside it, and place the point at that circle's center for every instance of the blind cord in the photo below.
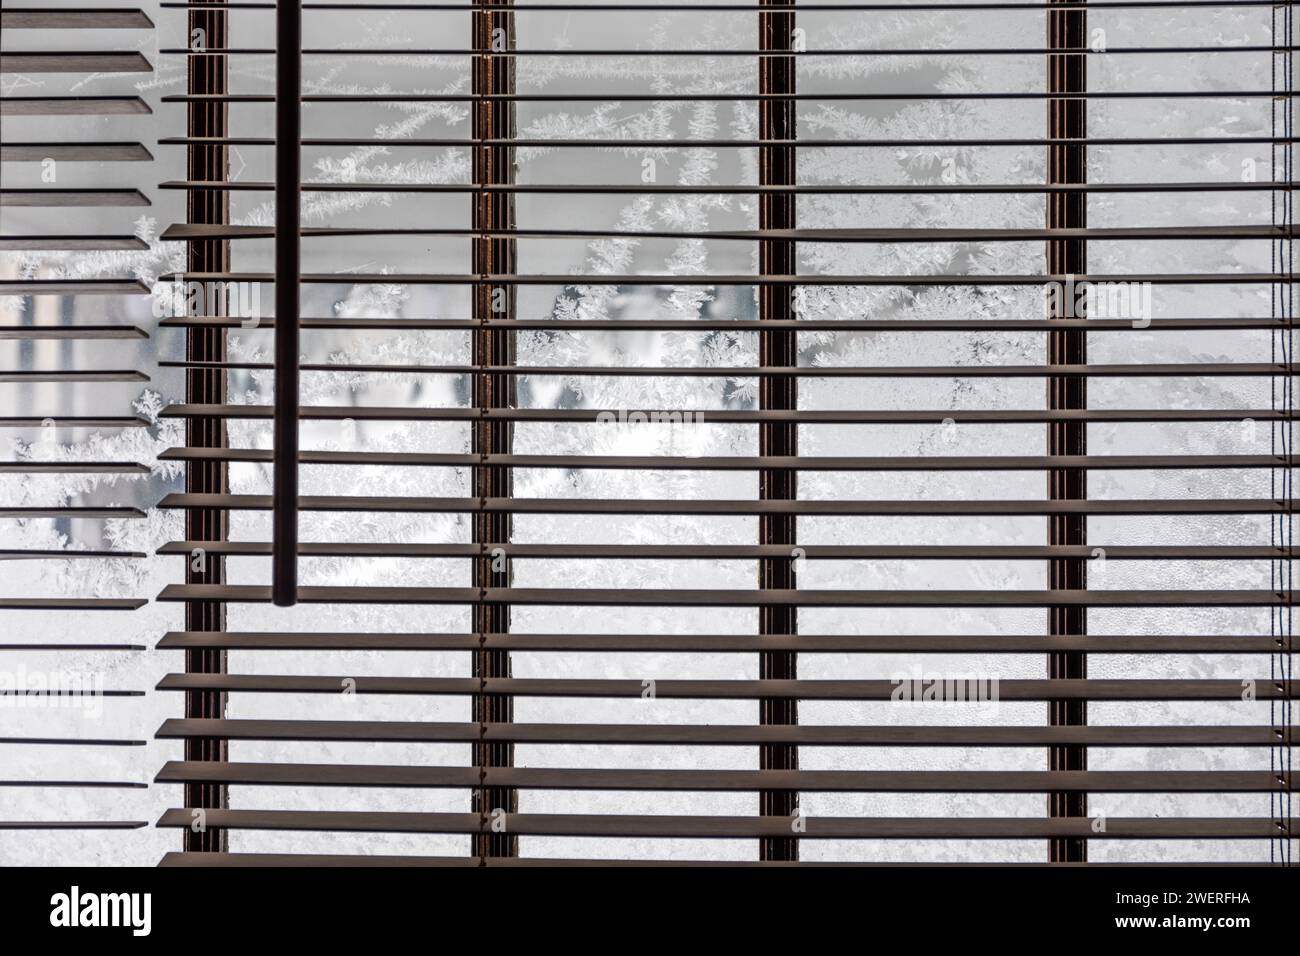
(1281, 438)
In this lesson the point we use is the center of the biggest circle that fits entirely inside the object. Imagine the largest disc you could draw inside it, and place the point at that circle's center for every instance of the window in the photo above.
(852, 432)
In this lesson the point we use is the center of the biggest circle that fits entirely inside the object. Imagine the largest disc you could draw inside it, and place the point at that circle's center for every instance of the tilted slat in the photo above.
(72, 824)
(72, 244)
(1129, 370)
(31, 332)
(71, 62)
(73, 468)
(866, 96)
(819, 781)
(744, 416)
(713, 6)
(69, 511)
(72, 197)
(364, 323)
(668, 825)
(1032, 690)
(32, 692)
(183, 231)
(804, 735)
(74, 152)
(11, 376)
(74, 287)
(71, 604)
(72, 105)
(750, 53)
(73, 741)
(650, 506)
(75, 784)
(197, 859)
(727, 643)
(743, 463)
(62, 554)
(742, 552)
(45, 646)
(728, 143)
(817, 279)
(728, 189)
(681, 597)
(80, 18)
(76, 421)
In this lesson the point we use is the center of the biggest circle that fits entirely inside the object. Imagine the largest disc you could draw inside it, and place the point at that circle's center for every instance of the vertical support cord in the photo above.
(1289, 404)
(777, 348)
(493, 32)
(1281, 433)
(206, 162)
(1275, 568)
(1067, 163)
(288, 166)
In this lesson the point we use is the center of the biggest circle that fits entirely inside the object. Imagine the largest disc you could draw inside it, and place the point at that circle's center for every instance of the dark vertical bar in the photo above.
(777, 348)
(493, 33)
(1067, 163)
(288, 154)
(207, 73)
